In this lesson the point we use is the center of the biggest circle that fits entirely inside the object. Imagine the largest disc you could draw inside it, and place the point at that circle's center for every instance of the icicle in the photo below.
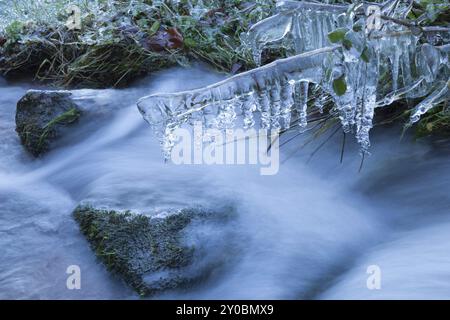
(369, 102)
(298, 44)
(406, 63)
(168, 142)
(319, 102)
(302, 100)
(428, 62)
(307, 22)
(436, 97)
(318, 30)
(362, 134)
(395, 67)
(227, 114)
(287, 101)
(344, 102)
(275, 97)
(210, 115)
(264, 108)
(248, 107)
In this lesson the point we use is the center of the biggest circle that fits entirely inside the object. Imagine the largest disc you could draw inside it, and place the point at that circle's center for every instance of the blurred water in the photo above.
(308, 232)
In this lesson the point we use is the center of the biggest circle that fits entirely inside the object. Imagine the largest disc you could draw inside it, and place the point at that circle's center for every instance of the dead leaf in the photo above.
(165, 39)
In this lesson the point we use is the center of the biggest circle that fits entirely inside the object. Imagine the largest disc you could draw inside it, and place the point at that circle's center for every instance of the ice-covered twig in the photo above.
(157, 107)
(363, 73)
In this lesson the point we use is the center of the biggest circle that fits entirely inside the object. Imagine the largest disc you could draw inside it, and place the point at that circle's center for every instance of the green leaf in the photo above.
(347, 44)
(155, 27)
(365, 54)
(339, 85)
(190, 43)
(357, 27)
(337, 35)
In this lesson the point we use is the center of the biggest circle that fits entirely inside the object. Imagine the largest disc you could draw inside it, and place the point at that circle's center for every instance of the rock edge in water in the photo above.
(149, 253)
(41, 117)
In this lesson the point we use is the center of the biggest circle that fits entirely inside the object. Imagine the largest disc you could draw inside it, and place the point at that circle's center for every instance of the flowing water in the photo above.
(309, 231)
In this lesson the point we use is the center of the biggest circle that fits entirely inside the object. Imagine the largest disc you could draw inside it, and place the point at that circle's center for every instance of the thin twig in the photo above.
(343, 147)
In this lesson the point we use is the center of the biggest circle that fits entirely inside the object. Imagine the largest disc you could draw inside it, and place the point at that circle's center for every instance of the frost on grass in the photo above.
(118, 41)
(332, 52)
(50, 11)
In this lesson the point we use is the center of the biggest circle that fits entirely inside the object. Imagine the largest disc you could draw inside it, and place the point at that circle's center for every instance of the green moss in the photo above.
(151, 254)
(13, 31)
(132, 245)
(67, 117)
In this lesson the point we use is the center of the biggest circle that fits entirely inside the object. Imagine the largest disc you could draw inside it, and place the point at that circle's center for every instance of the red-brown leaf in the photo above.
(166, 39)
(175, 39)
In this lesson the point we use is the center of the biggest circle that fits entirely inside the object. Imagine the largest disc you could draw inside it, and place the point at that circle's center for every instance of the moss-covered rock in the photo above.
(41, 116)
(150, 254)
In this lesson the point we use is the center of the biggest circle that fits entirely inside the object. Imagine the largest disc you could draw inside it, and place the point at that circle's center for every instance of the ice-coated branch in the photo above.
(270, 90)
(303, 26)
(359, 73)
(158, 107)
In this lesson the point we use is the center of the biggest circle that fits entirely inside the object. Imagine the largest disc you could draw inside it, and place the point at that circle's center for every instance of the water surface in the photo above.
(310, 231)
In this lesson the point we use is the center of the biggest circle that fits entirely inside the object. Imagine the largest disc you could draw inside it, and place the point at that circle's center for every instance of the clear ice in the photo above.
(395, 66)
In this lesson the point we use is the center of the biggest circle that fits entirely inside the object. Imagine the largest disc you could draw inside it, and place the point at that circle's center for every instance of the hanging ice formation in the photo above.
(361, 70)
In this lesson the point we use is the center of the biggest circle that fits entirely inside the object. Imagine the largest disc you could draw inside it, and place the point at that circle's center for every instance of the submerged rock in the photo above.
(41, 117)
(156, 253)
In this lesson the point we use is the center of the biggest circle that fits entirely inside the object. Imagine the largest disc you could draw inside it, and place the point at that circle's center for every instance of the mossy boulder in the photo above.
(41, 116)
(152, 253)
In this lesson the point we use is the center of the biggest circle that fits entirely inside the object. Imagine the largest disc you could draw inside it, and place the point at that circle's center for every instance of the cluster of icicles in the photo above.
(396, 66)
